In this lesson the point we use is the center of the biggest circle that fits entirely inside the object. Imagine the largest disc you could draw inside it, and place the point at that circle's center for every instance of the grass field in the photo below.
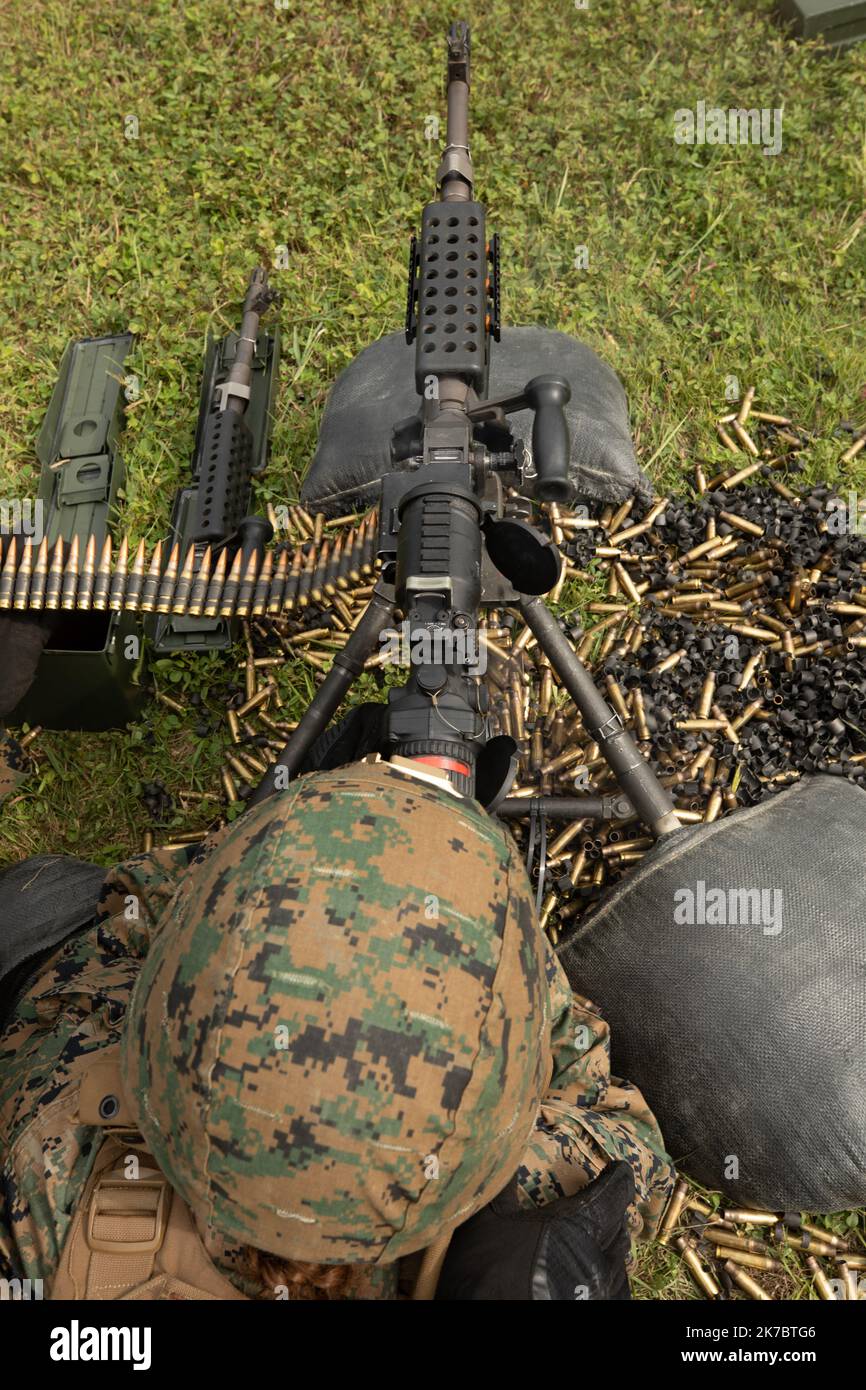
(151, 154)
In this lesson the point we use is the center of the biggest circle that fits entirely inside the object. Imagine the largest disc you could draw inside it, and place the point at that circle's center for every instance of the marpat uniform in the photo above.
(340, 1033)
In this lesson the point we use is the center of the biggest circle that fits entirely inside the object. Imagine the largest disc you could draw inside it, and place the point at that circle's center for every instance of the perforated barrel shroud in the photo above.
(452, 294)
(224, 484)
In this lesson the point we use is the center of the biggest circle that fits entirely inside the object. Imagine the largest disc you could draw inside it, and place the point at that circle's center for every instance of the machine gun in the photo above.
(454, 529)
(209, 519)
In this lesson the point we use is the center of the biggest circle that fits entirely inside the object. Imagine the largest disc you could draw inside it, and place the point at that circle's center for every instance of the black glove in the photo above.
(22, 639)
(574, 1248)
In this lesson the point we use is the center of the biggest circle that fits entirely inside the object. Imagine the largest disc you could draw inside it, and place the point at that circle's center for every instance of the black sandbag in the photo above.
(377, 389)
(747, 1041)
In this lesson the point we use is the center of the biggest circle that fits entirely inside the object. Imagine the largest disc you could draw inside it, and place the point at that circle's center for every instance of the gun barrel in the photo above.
(259, 297)
(455, 176)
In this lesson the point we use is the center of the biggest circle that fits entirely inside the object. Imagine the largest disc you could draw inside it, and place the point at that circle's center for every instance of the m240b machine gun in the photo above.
(454, 529)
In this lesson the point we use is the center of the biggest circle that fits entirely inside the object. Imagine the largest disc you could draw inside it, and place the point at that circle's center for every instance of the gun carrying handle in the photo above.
(551, 444)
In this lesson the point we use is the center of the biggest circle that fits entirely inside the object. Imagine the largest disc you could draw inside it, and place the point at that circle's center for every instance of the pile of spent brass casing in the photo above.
(725, 1250)
(728, 638)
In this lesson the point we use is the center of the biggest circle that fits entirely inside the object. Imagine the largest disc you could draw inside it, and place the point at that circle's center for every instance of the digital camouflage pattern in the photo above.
(13, 764)
(337, 1045)
(80, 1003)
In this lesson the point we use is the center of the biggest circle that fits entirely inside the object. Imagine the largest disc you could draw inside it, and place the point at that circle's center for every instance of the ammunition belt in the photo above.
(273, 582)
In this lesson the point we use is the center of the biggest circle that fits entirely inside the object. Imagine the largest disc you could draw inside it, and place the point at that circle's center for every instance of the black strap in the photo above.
(42, 901)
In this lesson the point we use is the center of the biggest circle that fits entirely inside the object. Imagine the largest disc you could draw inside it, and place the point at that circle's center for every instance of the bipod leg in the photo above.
(634, 774)
(348, 665)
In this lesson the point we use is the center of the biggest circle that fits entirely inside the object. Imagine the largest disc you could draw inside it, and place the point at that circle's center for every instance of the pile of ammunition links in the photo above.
(724, 1250)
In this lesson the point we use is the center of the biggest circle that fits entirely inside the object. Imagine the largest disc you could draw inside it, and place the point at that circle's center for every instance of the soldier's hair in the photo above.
(303, 1281)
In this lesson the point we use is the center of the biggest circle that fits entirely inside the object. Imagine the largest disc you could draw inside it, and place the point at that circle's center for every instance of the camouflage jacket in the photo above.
(13, 764)
(76, 1004)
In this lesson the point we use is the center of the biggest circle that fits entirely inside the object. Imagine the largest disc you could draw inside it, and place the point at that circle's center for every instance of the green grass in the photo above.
(305, 127)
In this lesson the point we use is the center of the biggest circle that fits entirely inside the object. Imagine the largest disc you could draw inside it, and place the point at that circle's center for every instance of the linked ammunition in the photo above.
(22, 578)
(277, 585)
(88, 575)
(103, 577)
(7, 576)
(319, 571)
(249, 571)
(150, 588)
(54, 583)
(306, 579)
(229, 595)
(165, 591)
(117, 587)
(262, 590)
(40, 575)
(70, 576)
(135, 580)
(215, 586)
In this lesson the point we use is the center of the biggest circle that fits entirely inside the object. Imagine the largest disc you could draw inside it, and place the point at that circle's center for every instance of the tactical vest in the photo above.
(135, 1238)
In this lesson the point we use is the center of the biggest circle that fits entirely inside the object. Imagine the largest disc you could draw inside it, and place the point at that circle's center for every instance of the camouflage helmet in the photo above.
(340, 1034)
